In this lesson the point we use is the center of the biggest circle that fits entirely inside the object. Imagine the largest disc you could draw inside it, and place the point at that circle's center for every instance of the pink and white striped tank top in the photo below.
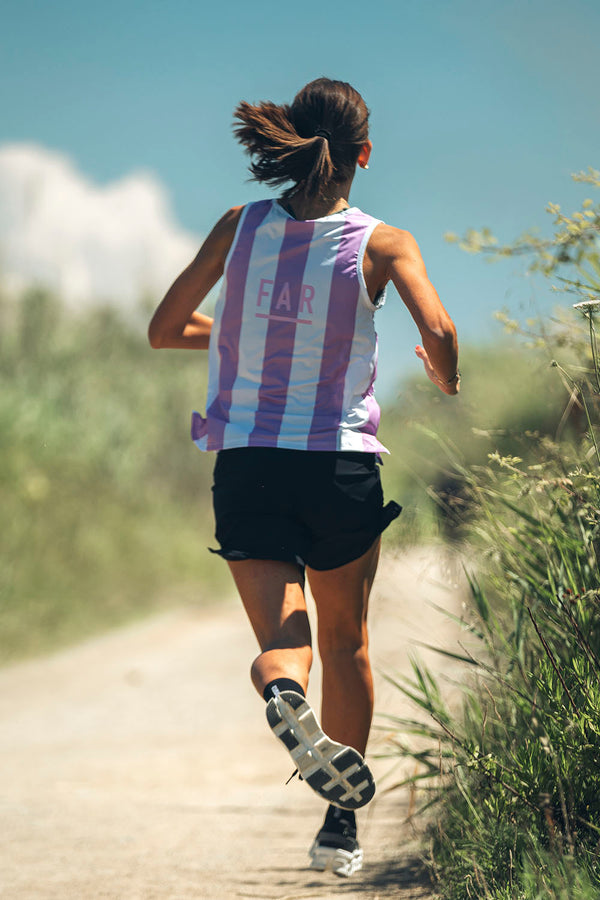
(293, 349)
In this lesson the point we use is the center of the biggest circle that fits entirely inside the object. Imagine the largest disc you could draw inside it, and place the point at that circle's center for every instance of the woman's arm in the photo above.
(176, 322)
(393, 254)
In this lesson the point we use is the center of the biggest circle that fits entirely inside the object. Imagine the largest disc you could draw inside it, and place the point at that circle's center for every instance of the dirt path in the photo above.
(139, 766)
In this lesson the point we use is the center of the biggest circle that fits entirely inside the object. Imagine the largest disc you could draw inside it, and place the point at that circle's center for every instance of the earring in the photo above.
(365, 166)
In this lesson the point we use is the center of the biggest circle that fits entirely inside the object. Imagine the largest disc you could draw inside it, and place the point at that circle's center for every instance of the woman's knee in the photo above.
(349, 660)
(334, 643)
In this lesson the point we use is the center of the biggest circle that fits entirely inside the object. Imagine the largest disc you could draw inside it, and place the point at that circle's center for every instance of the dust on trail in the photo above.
(139, 766)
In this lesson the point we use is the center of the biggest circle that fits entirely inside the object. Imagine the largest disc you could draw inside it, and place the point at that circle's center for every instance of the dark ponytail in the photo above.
(313, 143)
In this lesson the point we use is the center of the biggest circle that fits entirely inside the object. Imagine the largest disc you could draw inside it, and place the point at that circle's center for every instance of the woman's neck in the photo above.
(302, 207)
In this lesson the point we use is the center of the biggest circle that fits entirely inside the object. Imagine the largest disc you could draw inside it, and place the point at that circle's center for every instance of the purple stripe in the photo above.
(231, 322)
(371, 444)
(281, 333)
(374, 413)
(339, 336)
(369, 429)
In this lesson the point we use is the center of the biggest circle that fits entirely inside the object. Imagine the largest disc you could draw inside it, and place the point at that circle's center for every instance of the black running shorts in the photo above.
(322, 509)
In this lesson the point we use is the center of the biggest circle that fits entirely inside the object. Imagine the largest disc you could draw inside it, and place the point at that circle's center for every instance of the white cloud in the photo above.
(88, 243)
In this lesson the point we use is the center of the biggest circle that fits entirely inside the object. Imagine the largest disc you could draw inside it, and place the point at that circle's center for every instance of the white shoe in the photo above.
(335, 848)
(333, 859)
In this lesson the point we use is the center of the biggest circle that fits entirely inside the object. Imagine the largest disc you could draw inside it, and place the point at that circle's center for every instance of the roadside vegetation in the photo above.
(509, 778)
(102, 499)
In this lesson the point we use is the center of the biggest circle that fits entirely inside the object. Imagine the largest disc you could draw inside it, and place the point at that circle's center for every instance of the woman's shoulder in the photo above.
(390, 242)
(223, 232)
(229, 220)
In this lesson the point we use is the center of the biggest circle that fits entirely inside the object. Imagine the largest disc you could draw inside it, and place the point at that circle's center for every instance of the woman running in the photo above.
(292, 415)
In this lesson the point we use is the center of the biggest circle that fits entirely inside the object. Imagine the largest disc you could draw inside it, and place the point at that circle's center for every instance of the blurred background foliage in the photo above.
(106, 503)
(510, 396)
(104, 499)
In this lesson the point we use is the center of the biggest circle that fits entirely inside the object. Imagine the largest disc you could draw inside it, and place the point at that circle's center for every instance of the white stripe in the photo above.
(364, 293)
(360, 370)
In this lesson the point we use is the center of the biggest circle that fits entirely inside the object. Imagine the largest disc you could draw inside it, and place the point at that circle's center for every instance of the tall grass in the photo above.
(516, 773)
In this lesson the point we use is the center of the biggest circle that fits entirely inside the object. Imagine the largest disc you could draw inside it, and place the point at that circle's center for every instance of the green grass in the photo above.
(511, 781)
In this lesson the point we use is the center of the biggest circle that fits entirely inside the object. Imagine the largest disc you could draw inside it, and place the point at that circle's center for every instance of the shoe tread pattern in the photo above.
(336, 772)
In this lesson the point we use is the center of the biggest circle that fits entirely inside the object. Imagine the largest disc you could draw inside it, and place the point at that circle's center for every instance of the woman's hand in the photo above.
(429, 370)
(196, 333)
(448, 388)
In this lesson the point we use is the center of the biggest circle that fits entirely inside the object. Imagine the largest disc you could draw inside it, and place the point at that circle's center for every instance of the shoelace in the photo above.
(295, 772)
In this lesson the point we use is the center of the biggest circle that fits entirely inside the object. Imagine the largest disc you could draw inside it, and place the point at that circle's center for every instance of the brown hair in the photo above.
(313, 143)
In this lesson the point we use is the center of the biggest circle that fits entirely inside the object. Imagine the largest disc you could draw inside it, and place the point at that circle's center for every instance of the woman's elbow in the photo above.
(442, 333)
(155, 336)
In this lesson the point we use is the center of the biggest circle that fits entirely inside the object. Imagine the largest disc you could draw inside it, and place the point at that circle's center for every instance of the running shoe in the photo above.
(335, 848)
(336, 772)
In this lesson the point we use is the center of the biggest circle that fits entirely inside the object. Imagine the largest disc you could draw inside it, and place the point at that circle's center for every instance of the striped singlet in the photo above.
(293, 348)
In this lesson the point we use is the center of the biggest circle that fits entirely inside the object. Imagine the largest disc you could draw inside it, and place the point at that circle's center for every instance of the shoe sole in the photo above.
(331, 859)
(336, 772)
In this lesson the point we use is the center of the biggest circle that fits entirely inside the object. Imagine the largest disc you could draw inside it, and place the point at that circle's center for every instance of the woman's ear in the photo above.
(363, 156)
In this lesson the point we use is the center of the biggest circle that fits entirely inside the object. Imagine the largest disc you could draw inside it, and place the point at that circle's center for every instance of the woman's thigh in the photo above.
(342, 598)
(272, 592)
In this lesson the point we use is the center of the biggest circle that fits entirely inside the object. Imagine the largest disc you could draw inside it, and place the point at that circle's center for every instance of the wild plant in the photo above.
(511, 778)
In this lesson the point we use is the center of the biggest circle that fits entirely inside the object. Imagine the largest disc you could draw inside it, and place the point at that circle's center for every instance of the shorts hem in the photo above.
(239, 555)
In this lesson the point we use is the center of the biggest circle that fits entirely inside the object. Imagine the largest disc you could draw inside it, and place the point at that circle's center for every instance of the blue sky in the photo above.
(479, 114)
